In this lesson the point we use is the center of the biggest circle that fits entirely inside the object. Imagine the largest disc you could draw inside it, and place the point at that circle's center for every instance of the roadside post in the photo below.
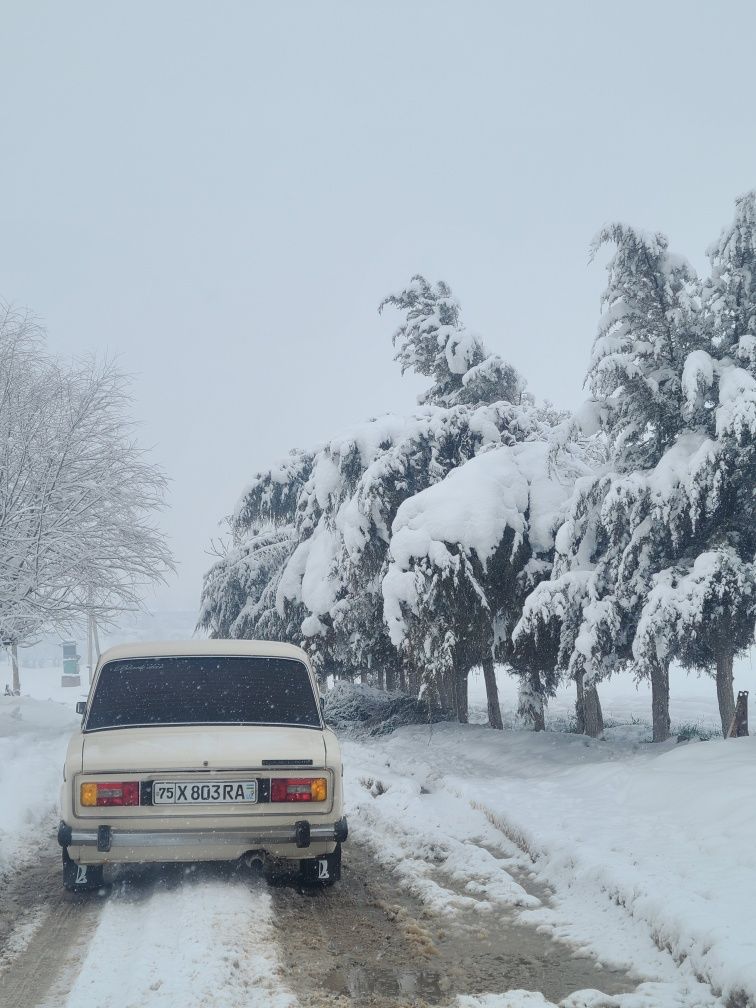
(739, 726)
(70, 675)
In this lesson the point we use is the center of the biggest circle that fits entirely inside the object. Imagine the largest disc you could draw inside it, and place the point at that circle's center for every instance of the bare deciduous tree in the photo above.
(77, 493)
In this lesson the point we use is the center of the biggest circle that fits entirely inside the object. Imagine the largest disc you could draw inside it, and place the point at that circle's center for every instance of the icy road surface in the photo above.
(442, 927)
(219, 936)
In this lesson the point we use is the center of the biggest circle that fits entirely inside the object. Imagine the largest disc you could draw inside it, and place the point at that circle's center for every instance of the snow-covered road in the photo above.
(484, 870)
(217, 936)
(201, 939)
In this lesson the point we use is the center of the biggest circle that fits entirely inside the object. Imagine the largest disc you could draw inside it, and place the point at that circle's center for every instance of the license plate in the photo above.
(209, 793)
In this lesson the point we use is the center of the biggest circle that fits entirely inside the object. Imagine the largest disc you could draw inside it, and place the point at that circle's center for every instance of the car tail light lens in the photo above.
(296, 789)
(109, 793)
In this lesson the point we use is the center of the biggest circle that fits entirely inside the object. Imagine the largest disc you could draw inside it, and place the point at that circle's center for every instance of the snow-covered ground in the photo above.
(647, 851)
(692, 697)
(33, 738)
(640, 855)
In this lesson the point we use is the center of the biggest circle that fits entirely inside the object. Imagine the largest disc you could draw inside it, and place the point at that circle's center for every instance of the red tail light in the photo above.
(110, 793)
(296, 789)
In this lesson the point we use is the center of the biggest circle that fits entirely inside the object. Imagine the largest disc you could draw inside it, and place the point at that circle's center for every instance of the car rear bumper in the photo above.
(106, 843)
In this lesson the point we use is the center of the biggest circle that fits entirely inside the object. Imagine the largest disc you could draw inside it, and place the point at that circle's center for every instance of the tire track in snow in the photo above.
(160, 936)
(195, 938)
(371, 942)
(432, 831)
(43, 930)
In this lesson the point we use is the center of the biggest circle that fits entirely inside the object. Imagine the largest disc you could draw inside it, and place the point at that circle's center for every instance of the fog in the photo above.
(221, 195)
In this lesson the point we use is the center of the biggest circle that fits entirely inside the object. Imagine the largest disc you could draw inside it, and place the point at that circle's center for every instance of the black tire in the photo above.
(81, 878)
(321, 871)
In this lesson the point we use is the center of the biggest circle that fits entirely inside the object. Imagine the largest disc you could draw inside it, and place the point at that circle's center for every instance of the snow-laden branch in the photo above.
(77, 493)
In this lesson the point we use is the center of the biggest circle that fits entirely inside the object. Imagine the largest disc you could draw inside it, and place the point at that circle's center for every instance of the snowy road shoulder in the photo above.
(648, 852)
(33, 739)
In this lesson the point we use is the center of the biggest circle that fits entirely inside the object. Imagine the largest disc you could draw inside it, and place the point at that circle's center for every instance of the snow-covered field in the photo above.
(640, 855)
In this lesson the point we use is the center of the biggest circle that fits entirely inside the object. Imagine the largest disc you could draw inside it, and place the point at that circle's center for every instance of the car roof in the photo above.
(177, 648)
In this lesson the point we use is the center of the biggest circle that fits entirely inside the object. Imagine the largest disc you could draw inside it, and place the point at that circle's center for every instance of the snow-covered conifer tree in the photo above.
(613, 540)
(239, 591)
(703, 613)
(645, 333)
(239, 595)
(344, 520)
(704, 601)
(702, 607)
(552, 614)
(432, 341)
(342, 503)
(463, 554)
(445, 543)
(667, 572)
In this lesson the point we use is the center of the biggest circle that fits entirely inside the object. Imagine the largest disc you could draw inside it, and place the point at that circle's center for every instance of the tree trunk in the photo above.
(539, 718)
(461, 688)
(364, 677)
(492, 693)
(592, 716)
(579, 705)
(539, 713)
(530, 707)
(390, 678)
(443, 688)
(381, 678)
(402, 680)
(413, 681)
(725, 694)
(740, 722)
(660, 701)
(14, 664)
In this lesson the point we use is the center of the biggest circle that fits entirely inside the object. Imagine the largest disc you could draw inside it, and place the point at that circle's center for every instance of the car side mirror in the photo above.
(81, 707)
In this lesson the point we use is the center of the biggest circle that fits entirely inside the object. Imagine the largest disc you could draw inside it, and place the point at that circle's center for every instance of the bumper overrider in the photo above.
(106, 838)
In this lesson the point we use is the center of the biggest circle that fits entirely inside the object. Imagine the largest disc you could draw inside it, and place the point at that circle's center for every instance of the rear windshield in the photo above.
(203, 690)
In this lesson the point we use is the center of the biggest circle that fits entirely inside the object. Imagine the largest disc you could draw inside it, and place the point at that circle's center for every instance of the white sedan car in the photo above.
(202, 751)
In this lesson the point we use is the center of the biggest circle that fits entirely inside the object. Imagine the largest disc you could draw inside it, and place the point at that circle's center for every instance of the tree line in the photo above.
(486, 528)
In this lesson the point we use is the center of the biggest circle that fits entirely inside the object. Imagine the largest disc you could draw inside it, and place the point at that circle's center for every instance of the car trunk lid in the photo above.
(199, 747)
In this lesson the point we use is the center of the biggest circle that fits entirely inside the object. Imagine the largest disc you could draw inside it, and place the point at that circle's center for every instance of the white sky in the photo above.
(221, 193)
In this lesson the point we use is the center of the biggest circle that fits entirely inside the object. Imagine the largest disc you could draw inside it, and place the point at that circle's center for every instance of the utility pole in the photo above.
(93, 644)
(96, 637)
(89, 647)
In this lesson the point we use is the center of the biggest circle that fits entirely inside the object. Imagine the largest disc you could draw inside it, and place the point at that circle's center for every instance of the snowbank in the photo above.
(33, 738)
(646, 848)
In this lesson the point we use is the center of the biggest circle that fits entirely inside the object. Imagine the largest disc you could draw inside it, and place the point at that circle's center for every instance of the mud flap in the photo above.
(323, 870)
(80, 878)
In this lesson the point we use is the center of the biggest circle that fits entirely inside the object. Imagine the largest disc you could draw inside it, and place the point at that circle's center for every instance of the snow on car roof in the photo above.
(174, 648)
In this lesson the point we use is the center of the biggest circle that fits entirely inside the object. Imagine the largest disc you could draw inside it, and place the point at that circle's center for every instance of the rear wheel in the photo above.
(323, 870)
(80, 878)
